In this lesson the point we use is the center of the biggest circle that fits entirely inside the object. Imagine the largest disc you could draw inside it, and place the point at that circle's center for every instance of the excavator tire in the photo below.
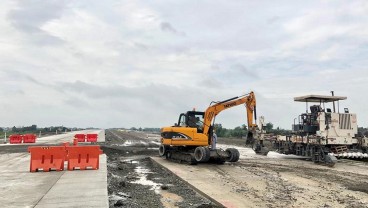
(202, 154)
(233, 154)
(162, 150)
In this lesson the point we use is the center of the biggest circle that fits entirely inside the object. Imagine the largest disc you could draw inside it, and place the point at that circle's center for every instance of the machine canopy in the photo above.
(319, 98)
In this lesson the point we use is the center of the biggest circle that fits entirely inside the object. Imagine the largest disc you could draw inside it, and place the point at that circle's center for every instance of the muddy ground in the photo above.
(135, 181)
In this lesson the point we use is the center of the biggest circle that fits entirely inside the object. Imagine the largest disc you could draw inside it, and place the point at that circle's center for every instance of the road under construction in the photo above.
(131, 174)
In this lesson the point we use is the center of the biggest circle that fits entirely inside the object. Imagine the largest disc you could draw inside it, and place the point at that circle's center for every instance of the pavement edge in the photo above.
(186, 182)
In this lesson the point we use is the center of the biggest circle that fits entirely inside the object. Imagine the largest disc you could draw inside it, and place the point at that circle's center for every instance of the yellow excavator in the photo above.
(190, 139)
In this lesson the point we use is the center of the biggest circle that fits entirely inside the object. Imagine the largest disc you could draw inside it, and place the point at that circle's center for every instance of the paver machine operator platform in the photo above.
(190, 139)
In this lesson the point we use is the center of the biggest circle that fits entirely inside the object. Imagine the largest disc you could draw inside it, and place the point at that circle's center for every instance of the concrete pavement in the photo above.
(20, 188)
(210, 180)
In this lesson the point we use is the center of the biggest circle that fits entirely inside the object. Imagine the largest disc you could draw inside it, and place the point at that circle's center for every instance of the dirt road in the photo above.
(288, 182)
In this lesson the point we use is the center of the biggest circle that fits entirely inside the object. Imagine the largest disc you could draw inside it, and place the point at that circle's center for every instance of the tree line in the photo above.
(242, 131)
(237, 132)
(34, 129)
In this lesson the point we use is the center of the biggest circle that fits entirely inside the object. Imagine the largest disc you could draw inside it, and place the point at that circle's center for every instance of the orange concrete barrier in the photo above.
(15, 139)
(29, 138)
(75, 142)
(83, 157)
(47, 158)
(91, 137)
(80, 137)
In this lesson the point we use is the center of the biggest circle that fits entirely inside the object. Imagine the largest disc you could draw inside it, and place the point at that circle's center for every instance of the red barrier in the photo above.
(47, 158)
(80, 137)
(29, 138)
(91, 137)
(15, 139)
(83, 157)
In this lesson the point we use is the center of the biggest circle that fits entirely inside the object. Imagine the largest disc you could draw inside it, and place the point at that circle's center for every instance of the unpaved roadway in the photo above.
(277, 181)
(291, 181)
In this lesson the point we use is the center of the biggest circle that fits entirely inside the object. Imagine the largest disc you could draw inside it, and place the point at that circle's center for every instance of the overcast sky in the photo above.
(116, 63)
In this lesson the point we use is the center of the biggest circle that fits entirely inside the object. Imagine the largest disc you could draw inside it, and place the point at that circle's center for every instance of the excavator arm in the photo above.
(214, 109)
(254, 137)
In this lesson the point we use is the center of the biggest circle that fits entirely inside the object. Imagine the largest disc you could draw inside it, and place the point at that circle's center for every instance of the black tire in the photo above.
(202, 154)
(168, 154)
(162, 150)
(233, 154)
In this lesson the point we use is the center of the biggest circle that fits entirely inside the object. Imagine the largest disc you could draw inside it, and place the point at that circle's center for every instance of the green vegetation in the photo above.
(237, 132)
(241, 131)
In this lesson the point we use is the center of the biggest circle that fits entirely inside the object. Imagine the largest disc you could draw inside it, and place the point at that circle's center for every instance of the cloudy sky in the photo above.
(116, 63)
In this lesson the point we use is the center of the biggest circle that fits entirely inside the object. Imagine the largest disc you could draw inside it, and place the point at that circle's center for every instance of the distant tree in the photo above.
(238, 132)
(14, 129)
(220, 132)
(133, 129)
(152, 129)
(140, 129)
(269, 127)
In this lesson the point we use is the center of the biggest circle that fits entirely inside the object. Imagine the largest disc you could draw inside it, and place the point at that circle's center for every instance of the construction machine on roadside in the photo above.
(324, 134)
(190, 139)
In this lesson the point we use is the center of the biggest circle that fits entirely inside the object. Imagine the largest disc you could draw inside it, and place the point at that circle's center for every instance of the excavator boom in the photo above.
(213, 110)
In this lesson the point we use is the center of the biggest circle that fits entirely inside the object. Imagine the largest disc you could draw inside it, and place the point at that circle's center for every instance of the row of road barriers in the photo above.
(48, 158)
(31, 138)
(18, 139)
(86, 137)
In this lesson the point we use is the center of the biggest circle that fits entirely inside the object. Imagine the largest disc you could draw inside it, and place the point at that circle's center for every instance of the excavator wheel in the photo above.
(233, 154)
(202, 154)
(162, 150)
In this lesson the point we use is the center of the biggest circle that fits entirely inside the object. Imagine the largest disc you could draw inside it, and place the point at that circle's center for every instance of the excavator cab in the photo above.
(194, 119)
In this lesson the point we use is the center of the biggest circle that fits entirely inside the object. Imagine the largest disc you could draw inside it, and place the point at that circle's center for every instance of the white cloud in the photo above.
(139, 63)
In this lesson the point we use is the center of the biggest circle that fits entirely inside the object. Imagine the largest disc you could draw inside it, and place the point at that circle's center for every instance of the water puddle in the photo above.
(127, 143)
(130, 161)
(142, 173)
(155, 143)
